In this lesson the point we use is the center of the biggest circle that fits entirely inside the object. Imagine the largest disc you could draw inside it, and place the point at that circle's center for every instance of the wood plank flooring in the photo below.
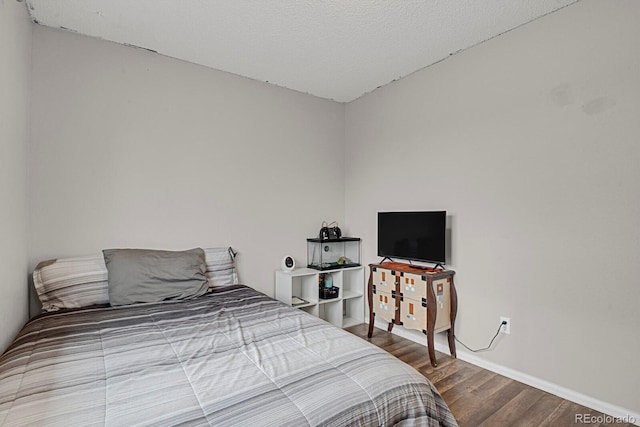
(478, 397)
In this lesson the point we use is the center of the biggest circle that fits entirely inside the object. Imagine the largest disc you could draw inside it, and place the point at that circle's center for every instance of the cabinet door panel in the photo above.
(384, 306)
(413, 315)
(384, 280)
(442, 292)
(413, 286)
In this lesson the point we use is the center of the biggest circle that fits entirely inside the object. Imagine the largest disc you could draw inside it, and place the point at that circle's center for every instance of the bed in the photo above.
(232, 356)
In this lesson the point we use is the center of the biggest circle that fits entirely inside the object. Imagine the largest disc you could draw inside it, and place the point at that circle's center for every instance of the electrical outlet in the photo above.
(505, 329)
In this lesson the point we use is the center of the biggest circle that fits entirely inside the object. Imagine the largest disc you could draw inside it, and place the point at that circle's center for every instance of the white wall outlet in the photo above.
(505, 329)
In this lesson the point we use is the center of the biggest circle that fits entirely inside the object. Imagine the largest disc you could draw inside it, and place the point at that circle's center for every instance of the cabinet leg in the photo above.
(370, 301)
(454, 311)
(432, 312)
(432, 351)
(452, 342)
(431, 324)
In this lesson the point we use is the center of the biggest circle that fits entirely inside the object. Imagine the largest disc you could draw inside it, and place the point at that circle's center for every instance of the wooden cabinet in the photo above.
(401, 294)
(344, 311)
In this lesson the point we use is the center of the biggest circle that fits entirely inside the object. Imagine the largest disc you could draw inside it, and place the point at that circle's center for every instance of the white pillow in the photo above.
(71, 282)
(221, 266)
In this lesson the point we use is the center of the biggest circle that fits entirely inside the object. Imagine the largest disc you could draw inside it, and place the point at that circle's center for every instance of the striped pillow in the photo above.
(221, 266)
(71, 282)
(83, 282)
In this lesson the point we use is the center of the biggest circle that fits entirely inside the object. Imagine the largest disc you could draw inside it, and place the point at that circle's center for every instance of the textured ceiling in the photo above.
(335, 49)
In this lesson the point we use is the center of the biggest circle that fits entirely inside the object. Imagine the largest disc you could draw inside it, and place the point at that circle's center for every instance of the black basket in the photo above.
(329, 293)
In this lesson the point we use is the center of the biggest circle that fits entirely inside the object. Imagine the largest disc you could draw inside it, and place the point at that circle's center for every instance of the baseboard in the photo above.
(549, 387)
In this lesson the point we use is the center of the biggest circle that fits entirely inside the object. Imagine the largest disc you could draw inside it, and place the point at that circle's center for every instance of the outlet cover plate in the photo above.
(505, 329)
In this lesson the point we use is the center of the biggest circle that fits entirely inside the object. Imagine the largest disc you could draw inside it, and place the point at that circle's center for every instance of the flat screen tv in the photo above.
(418, 236)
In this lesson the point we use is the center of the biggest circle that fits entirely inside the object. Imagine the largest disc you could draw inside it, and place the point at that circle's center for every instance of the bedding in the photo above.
(71, 282)
(221, 266)
(233, 357)
(145, 275)
(83, 281)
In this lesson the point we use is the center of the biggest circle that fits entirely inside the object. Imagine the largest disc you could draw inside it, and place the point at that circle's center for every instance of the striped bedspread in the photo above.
(231, 358)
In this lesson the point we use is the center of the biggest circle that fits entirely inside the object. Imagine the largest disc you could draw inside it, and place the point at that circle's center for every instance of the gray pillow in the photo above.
(142, 275)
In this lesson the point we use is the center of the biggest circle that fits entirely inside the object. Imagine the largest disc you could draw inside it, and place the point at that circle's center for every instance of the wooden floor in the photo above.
(478, 397)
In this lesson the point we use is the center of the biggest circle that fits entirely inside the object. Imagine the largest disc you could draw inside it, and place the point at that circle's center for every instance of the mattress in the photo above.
(232, 357)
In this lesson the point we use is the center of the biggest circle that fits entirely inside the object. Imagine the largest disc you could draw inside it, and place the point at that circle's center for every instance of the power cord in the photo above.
(487, 347)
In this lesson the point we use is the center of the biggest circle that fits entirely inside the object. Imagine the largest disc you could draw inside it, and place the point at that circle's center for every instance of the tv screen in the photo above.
(418, 236)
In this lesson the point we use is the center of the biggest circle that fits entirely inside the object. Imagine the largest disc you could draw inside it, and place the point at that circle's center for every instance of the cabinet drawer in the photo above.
(384, 306)
(384, 280)
(413, 286)
(413, 314)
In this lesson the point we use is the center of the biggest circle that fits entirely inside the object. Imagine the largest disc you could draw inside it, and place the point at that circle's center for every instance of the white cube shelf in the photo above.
(344, 311)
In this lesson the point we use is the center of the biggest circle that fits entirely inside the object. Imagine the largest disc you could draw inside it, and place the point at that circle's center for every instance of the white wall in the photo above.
(134, 149)
(15, 66)
(531, 142)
